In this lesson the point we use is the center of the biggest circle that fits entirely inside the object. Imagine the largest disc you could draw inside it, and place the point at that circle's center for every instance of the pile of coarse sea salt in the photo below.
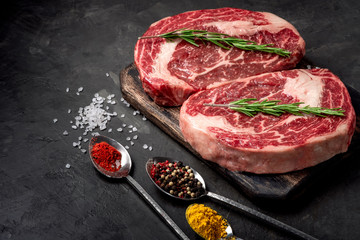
(97, 116)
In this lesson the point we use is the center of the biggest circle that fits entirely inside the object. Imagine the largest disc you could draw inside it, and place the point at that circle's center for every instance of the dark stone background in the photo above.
(47, 46)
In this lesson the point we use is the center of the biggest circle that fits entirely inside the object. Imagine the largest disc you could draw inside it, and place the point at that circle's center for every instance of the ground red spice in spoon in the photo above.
(106, 156)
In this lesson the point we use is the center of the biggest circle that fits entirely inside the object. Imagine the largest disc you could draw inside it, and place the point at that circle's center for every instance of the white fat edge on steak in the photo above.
(311, 95)
(239, 27)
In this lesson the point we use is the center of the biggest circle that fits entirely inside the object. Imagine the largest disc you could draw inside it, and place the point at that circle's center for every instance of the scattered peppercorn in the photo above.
(176, 179)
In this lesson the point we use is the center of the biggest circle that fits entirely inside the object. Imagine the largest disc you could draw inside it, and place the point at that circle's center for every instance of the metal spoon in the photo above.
(124, 172)
(250, 212)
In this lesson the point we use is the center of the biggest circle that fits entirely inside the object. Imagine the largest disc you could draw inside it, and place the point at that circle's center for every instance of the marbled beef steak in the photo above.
(266, 143)
(171, 71)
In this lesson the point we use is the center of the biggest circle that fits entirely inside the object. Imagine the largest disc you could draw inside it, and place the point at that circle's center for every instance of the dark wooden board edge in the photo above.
(286, 186)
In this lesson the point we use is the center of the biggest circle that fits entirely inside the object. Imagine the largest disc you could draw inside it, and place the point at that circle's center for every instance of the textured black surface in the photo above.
(47, 46)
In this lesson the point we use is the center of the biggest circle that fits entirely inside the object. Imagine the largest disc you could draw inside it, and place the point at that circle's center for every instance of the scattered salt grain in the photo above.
(131, 143)
(122, 99)
(122, 115)
(67, 166)
(67, 89)
(150, 148)
(55, 120)
(128, 139)
(119, 129)
(127, 147)
(85, 140)
(65, 133)
(144, 118)
(80, 138)
(145, 146)
(124, 125)
(113, 102)
(74, 127)
(135, 137)
(134, 129)
(110, 130)
(83, 150)
(80, 89)
(107, 74)
(75, 144)
(77, 93)
(69, 110)
(130, 131)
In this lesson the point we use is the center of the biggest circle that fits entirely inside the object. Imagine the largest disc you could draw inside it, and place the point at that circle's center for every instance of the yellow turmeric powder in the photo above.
(206, 222)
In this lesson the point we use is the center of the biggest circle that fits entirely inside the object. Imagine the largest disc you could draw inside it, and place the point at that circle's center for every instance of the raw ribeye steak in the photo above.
(266, 143)
(171, 71)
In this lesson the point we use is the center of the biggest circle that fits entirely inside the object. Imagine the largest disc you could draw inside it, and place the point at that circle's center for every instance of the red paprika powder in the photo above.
(106, 156)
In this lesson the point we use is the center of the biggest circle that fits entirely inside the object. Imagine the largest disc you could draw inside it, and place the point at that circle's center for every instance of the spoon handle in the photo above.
(156, 206)
(261, 216)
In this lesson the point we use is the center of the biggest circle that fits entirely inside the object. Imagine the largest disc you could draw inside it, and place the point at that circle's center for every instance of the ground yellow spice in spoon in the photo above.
(206, 222)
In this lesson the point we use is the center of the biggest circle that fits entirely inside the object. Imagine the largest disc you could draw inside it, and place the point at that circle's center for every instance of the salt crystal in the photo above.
(119, 129)
(110, 130)
(135, 137)
(75, 144)
(113, 102)
(108, 97)
(55, 120)
(67, 89)
(80, 89)
(127, 147)
(124, 125)
(131, 143)
(112, 95)
(134, 129)
(65, 133)
(67, 166)
(96, 95)
(107, 107)
(85, 140)
(83, 150)
(122, 115)
(145, 146)
(122, 99)
(107, 74)
(69, 110)
(144, 118)
(130, 131)
(78, 93)
(128, 139)
(130, 126)
(80, 138)
(150, 148)
(74, 127)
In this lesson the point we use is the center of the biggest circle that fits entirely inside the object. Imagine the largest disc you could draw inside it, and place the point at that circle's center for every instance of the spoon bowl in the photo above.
(228, 230)
(246, 210)
(125, 157)
(155, 160)
(124, 172)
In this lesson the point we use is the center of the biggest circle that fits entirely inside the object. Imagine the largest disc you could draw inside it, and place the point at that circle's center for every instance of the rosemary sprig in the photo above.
(273, 108)
(222, 40)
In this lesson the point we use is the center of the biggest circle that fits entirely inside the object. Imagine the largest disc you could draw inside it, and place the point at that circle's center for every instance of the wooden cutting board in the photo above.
(269, 186)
